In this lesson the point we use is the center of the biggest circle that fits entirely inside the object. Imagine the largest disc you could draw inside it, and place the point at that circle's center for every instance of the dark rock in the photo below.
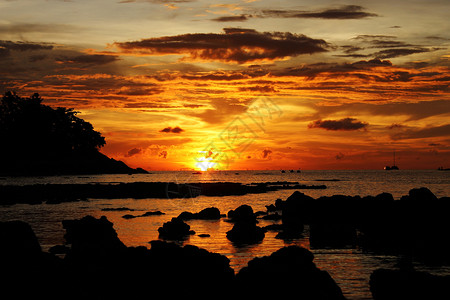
(117, 209)
(260, 213)
(210, 213)
(152, 213)
(26, 271)
(128, 216)
(297, 209)
(18, 239)
(175, 229)
(243, 213)
(59, 200)
(384, 198)
(186, 215)
(59, 249)
(290, 232)
(399, 284)
(271, 208)
(274, 217)
(245, 233)
(332, 235)
(422, 195)
(187, 267)
(91, 239)
(245, 230)
(273, 227)
(291, 270)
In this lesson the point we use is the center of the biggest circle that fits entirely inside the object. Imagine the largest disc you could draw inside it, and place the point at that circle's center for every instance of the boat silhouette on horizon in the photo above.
(393, 167)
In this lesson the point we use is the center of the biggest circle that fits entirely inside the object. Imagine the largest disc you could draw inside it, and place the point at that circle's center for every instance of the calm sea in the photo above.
(351, 268)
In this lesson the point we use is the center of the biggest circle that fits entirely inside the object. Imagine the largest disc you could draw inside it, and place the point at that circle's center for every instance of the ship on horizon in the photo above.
(393, 167)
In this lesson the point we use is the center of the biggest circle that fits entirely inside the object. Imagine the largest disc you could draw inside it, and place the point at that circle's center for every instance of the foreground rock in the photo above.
(99, 265)
(287, 272)
(408, 284)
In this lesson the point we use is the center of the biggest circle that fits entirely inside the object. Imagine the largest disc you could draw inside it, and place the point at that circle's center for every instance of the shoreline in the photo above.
(59, 193)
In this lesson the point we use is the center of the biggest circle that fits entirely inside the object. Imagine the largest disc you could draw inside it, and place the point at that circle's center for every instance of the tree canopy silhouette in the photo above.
(36, 138)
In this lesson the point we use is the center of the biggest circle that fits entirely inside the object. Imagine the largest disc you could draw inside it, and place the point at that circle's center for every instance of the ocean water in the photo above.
(351, 268)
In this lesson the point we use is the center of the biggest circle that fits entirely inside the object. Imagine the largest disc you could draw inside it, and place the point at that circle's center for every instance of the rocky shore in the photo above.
(58, 193)
(95, 263)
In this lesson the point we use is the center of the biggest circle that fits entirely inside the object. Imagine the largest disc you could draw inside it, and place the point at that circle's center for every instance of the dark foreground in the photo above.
(95, 263)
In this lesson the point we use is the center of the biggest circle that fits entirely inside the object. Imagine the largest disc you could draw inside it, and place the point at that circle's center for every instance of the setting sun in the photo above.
(206, 160)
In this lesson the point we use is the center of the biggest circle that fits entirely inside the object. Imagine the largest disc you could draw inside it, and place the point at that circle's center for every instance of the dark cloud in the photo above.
(414, 110)
(7, 46)
(396, 52)
(395, 126)
(89, 59)
(218, 75)
(172, 130)
(346, 124)
(239, 18)
(133, 151)
(312, 70)
(234, 45)
(349, 49)
(427, 132)
(258, 88)
(341, 13)
(266, 153)
(339, 156)
(21, 28)
(163, 154)
(391, 47)
(370, 37)
(38, 57)
(148, 89)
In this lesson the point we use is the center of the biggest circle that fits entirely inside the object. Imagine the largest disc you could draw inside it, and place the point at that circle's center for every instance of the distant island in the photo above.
(38, 140)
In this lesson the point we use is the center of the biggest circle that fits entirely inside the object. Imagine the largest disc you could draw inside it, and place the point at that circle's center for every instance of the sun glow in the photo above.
(205, 161)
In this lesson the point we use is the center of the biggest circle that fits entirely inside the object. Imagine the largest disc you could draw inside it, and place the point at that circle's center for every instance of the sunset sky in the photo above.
(241, 84)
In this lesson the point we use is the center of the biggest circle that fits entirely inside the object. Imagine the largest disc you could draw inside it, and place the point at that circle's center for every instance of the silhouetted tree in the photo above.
(28, 127)
(31, 131)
